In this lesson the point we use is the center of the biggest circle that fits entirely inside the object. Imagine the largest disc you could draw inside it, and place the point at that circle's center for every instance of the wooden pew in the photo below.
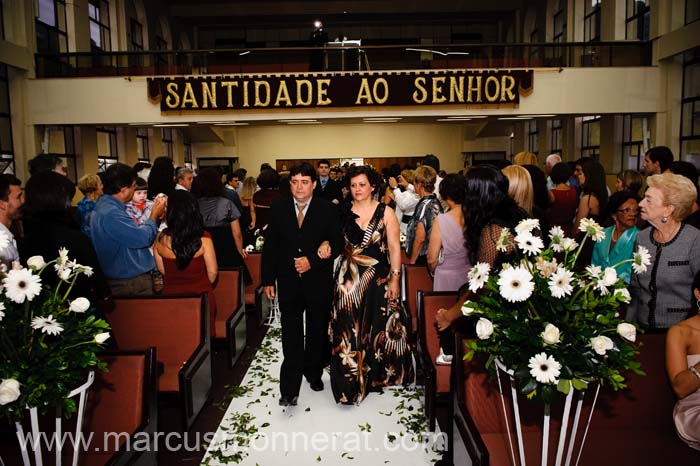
(437, 378)
(123, 401)
(230, 324)
(253, 290)
(178, 326)
(414, 278)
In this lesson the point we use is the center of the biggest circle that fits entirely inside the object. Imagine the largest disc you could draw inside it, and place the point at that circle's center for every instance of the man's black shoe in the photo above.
(316, 386)
(288, 400)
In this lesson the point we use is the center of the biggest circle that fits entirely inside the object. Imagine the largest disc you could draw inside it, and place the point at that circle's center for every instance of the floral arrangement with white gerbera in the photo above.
(47, 341)
(554, 327)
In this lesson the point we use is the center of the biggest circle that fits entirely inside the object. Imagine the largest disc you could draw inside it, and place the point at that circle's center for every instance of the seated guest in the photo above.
(48, 226)
(122, 246)
(220, 217)
(184, 252)
(11, 201)
(563, 200)
(683, 369)
(620, 238)
(427, 209)
(91, 187)
(140, 207)
(660, 296)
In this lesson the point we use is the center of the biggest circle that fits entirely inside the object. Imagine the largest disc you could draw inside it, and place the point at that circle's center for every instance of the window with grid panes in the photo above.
(106, 147)
(692, 11)
(100, 40)
(590, 136)
(7, 152)
(559, 17)
(591, 21)
(51, 31)
(637, 24)
(555, 139)
(532, 134)
(167, 138)
(60, 141)
(690, 104)
(632, 143)
(142, 151)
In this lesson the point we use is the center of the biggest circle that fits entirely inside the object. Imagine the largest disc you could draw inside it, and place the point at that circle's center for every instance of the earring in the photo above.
(697, 303)
(664, 219)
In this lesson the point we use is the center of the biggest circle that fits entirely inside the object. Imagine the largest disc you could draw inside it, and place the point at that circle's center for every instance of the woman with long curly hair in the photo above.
(184, 252)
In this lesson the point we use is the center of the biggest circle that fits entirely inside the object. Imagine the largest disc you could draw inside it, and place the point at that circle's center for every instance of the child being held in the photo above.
(139, 207)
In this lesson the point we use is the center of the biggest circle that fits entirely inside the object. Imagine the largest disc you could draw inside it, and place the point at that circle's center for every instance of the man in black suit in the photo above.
(326, 188)
(298, 226)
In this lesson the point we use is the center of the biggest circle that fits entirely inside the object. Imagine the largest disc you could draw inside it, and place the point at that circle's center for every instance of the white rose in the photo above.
(623, 294)
(80, 305)
(9, 391)
(484, 328)
(36, 262)
(601, 344)
(64, 274)
(467, 308)
(101, 337)
(627, 331)
(551, 334)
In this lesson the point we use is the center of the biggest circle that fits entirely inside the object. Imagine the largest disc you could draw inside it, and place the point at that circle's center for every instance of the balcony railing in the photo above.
(344, 58)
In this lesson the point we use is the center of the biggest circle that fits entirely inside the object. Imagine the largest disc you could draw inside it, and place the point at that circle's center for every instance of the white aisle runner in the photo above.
(386, 429)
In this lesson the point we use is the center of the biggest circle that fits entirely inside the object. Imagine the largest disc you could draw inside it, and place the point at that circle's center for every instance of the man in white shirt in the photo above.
(11, 202)
(406, 200)
(185, 176)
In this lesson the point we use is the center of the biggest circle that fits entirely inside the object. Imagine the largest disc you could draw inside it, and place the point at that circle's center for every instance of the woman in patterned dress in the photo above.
(367, 328)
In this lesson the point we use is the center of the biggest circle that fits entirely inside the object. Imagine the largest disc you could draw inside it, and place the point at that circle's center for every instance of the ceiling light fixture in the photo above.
(300, 120)
(171, 125)
(234, 123)
(304, 123)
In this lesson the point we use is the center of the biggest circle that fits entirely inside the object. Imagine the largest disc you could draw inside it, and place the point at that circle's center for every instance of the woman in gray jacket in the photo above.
(661, 296)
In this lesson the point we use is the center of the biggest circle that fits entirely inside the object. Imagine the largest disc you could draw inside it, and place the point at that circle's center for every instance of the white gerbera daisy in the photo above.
(569, 244)
(594, 271)
(515, 284)
(62, 256)
(556, 237)
(21, 285)
(641, 260)
(478, 276)
(527, 225)
(47, 325)
(546, 268)
(591, 227)
(561, 283)
(545, 369)
(503, 242)
(529, 243)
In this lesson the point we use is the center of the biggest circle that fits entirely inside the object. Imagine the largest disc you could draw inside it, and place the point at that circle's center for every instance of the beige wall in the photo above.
(268, 143)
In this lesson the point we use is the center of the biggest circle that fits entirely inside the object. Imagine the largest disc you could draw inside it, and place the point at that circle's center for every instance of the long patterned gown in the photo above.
(367, 330)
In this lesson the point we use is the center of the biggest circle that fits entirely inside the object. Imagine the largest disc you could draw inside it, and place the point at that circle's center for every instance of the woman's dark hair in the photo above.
(595, 182)
(561, 173)
(208, 184)
(270, 179)
(394, 170)
(486, 201)
(185, 227)
(48, 192)
(357, 170)
(162, 177)
(452, 188)
(539, 185)
(617, 199)
(284, 186)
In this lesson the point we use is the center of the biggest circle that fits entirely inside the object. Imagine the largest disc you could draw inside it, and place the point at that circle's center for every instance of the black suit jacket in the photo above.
(333, 190)
(284, 241)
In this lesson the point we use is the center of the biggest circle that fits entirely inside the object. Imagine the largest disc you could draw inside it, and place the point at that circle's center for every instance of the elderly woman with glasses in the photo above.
(620, 237)
(661, 295)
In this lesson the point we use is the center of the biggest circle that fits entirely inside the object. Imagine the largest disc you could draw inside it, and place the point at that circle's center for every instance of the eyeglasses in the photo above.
(626, 210)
